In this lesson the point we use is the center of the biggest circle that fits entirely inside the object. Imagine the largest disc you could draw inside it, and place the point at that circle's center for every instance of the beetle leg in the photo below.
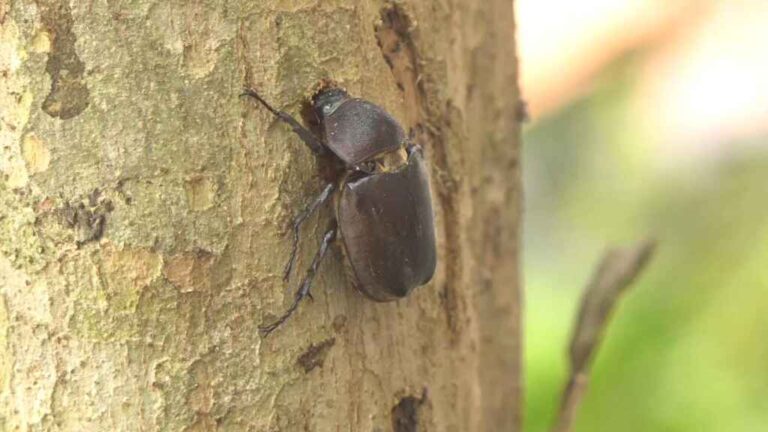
(411, 147)
(306, 284)
(308, 137)
(299, 220)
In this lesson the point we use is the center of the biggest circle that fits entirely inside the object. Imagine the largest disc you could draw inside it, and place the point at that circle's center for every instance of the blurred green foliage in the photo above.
(687, 349)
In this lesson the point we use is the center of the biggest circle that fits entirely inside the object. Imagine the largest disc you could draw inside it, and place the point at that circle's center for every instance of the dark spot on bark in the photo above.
(405, 415)
(69, 94)
(119, 188)
(339, 322)
(93, 197)
(86, 216)
(315, 355)
(394, 37)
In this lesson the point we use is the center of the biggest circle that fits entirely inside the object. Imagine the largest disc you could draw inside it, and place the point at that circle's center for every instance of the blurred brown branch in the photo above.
(616, 271)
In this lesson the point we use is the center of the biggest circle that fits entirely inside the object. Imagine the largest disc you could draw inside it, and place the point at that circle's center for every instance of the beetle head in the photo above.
(326, 101)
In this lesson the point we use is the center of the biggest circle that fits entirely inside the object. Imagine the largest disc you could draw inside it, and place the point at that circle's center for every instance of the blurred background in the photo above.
(649, 117)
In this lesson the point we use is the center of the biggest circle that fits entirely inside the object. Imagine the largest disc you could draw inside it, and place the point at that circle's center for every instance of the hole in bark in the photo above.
(405, 415)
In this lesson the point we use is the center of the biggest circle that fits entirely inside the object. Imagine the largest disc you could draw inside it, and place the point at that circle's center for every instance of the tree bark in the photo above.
(144, 214)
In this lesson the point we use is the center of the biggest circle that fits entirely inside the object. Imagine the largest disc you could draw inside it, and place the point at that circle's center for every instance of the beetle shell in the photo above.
(357, 131)
(387, 229)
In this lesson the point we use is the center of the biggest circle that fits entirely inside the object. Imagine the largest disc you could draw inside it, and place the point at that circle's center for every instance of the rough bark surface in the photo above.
(144, 215)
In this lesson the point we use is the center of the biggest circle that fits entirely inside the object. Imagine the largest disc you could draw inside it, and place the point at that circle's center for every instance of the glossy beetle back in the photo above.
(387, 228)
(357, 130)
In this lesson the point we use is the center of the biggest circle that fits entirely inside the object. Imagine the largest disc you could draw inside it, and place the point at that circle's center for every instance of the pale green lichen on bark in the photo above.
(6, 356)
(18, 240)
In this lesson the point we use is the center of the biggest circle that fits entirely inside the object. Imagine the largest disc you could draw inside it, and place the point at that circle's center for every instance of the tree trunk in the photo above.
(144, 213)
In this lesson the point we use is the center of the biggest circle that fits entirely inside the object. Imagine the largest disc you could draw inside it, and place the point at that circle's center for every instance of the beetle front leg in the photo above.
(308, 137)
(306, 284)
(299, 220)
(411, 147)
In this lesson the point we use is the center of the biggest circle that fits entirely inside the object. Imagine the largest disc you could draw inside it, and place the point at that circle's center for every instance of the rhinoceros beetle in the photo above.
(383, 206)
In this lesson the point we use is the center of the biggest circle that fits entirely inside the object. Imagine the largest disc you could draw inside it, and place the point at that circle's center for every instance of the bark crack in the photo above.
(428, 127)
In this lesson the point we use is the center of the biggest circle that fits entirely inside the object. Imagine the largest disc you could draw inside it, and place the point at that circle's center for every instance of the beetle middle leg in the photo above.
(308, 137)
(299, 220)
(306, 284)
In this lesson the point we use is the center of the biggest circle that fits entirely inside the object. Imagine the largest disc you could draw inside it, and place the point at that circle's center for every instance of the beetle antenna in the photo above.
(247, 92)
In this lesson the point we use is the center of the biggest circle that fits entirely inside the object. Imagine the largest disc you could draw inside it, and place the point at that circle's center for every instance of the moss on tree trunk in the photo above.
(144, 215)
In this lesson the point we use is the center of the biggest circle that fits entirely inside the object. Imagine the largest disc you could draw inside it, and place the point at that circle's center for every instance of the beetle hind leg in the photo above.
(306, 284)
(299, 220)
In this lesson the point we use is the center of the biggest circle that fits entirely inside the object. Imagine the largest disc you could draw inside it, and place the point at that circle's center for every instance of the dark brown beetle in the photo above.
(383, 205)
